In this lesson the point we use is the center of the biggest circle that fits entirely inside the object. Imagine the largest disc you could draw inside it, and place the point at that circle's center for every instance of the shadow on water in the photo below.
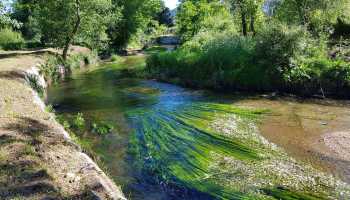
(164, 145)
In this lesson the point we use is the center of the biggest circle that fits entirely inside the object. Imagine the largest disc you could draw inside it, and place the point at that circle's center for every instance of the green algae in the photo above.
(183, 148)
(184, 145)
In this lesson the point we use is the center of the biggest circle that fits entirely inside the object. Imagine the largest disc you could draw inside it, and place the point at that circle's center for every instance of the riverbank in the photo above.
(38, 160)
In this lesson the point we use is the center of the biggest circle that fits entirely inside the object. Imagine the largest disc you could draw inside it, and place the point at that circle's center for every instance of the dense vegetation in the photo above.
(296, 46)
(105, 26)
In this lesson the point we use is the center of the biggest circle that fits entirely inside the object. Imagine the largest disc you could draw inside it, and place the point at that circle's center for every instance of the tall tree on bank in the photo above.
(248, 11)
(135, 15)
(195, 16)
(23, 11)
(62, 20)
(6, 20)
(317, 16)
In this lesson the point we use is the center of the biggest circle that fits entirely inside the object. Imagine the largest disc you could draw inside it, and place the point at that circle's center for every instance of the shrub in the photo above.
(51, 68)
(115, 58)
(77, 60)
(34, 84)
(278, 58)
(11, 40)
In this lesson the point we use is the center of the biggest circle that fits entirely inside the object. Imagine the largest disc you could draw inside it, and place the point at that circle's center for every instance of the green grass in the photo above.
(155, 49)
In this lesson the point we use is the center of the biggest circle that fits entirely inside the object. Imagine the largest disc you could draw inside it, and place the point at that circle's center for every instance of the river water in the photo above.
(161, 141)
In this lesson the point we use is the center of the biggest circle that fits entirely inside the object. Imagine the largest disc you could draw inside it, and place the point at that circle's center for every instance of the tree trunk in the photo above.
(244, 24)
(74, 32)
(252, 22)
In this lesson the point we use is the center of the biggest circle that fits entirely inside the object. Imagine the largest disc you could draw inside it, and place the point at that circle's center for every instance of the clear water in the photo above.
(172, 143)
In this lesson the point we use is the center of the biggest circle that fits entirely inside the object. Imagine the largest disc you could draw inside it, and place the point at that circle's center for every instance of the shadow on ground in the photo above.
(21, 174)
(11, 75)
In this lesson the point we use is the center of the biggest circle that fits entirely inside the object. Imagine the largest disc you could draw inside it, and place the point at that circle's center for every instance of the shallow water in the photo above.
(172, 143)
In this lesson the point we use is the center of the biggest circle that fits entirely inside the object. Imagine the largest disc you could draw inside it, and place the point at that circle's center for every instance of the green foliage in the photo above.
(195, 17)
(6, 20)
(249, 13)
(155, 49)
(146, 36)
(72, 19)
(75, 61)
(316, 73)
(50, 69)
(279, 57)
(34, 84)
(11, 40)
(23, 12)
(102, 128)
(49, 108)
(135, 18)
(79, 121)
(115, 58)
(317, 15)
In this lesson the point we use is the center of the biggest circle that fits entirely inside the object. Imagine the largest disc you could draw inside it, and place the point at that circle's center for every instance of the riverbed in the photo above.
(162, 141)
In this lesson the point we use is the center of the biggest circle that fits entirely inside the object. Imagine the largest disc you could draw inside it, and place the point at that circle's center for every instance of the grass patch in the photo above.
(155, 49)
(34, 84)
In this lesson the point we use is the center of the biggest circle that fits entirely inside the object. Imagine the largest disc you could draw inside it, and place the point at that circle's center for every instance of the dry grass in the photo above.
(37, 161)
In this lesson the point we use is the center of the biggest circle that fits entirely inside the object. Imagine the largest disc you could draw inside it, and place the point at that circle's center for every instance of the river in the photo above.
(162, 141)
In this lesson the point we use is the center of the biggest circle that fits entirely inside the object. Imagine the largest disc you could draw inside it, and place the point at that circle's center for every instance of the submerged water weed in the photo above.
(216, 149)
(188, 146)
(102, 128)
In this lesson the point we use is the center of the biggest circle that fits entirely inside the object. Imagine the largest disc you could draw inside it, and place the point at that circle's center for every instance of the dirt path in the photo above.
(37, 158)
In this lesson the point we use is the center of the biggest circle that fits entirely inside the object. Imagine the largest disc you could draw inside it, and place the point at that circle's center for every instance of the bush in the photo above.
(278, 58)
(34, 84)
(52, 68)
(77, 60)
(319, 75)
(11, 40)
(79, 122)
(226, 60)
(115, 58)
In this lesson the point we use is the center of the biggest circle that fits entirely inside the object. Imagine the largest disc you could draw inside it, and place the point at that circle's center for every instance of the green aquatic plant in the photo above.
(216, 149)
(79, 121)
(102, 128)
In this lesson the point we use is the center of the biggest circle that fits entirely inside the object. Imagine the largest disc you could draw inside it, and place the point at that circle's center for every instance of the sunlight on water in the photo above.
(173, 143)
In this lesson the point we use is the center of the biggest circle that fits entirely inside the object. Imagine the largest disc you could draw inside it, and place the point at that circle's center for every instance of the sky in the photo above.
(171, 3)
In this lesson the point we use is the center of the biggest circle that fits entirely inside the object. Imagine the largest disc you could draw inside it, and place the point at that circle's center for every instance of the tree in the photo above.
(195, 16)
(62, 20)
(135, 16)
(316, 15)
(165, 17)
(6, 20)
(22, 11)
(248, 11)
